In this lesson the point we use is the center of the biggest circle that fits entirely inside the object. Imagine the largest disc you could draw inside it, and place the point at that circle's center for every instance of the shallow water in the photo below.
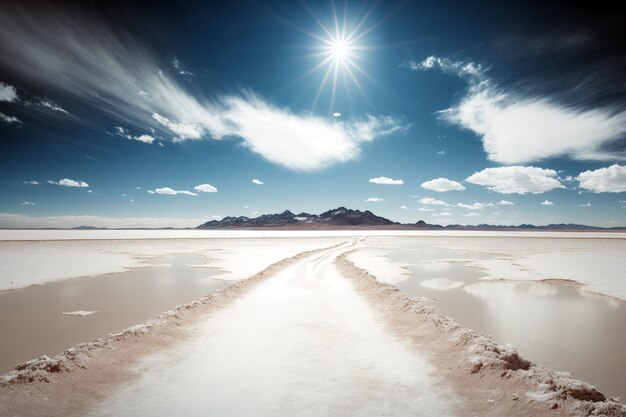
(31, 320)
(557, 326)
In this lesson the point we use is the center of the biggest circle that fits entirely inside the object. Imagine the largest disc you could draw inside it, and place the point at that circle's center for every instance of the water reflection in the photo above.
(33, 315)
(557, 326)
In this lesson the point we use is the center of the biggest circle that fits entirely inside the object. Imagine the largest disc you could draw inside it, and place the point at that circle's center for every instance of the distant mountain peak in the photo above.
(341, 217)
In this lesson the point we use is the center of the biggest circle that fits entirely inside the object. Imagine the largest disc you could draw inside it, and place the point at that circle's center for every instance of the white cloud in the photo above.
(170, 191)
(403, 207)
(336, 114)
(7, 92)
(475, 206)
(69, 183)
(216, 217)
(11, 220)
(506, 203)
(428, 201)
(33, 182)
(519, 129)
(442, 214)
(138, 188)
(472, 214)
(374, 200)
(442, 152)
(517, 179)
(585, 205)
(611, 179)
(28, 203)
(257, 182)
(52, 106)
(547, 203)
(301, 142)
(116, 76)
(205, 188)
(144, 138)
(425, 209)
(183, 130)
(442, 185)
(180, 69)
(120, 131)
(9, 119)
(459, 68)
(386, 181)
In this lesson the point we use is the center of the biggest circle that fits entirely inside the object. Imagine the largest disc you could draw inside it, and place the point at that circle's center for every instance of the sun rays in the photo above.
(341, 52)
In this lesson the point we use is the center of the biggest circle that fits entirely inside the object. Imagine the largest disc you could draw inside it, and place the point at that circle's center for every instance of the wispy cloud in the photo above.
(374, 200)
(120, 131)
(170, 191)
(403, 207)
(4, 118)
(472, 214)
(257, 181)
(51, 105)
(611, 179)
(7, 92)
(585, 205)
(475, 206)
(111, 73)
(66, 182)
(32, 182)
(428, 201)
(517, 179)
(506, 203)
(547, 203)
(442, 185)
(28, 203)
(518, 129)
(386, 181)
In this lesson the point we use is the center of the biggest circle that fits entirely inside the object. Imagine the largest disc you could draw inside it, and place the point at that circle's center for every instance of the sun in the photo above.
(341, 52)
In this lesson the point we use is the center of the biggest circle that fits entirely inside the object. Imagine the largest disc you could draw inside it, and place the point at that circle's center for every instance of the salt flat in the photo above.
(301, 343)
(308, 339)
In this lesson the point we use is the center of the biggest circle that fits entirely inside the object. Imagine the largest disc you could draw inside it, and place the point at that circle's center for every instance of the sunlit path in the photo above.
(302, 342)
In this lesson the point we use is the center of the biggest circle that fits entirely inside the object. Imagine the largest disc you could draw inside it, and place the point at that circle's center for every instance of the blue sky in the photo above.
(457, 113)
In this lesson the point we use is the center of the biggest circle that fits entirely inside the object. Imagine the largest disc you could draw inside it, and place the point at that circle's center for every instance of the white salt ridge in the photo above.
(301, 343)
(80, 313)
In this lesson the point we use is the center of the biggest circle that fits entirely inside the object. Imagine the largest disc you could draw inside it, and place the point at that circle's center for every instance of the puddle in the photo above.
(33, 323)
(557, 326)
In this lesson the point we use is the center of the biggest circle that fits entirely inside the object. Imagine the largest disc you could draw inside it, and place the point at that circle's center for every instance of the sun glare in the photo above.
(341, 51)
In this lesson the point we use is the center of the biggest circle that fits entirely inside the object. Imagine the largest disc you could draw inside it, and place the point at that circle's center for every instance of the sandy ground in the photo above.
(311, 335)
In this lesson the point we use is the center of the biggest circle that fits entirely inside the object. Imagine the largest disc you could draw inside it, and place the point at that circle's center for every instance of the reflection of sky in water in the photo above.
(441, 284)
(120, 299)
(561, 327)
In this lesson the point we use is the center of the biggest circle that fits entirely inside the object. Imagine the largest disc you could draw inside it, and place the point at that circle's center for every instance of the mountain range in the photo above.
(342, 217)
